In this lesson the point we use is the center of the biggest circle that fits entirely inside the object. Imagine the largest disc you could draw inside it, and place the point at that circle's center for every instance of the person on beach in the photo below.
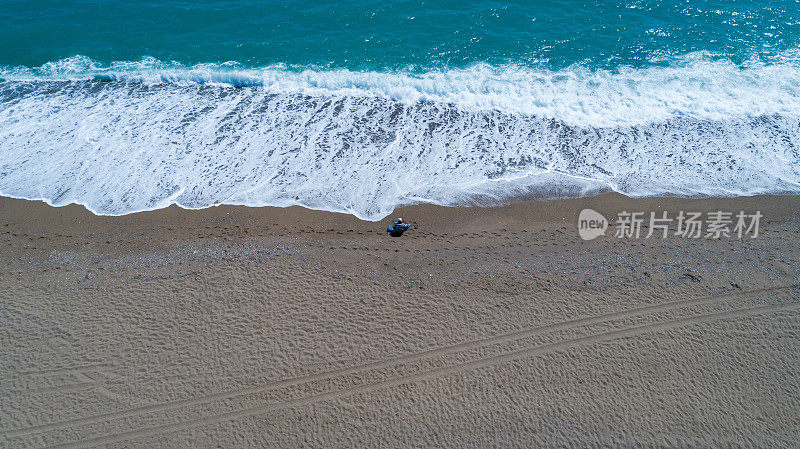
(397, 228)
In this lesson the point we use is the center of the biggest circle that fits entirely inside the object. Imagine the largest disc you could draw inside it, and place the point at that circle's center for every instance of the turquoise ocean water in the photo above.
(361, 106)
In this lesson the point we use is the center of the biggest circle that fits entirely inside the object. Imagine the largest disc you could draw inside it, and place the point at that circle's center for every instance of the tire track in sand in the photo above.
(425, 375)
(386, 363)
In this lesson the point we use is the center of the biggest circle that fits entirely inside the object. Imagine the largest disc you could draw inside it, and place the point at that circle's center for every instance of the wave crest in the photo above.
(697, 85)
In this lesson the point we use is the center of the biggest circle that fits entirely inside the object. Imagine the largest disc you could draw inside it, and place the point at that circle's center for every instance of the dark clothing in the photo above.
(397, 229)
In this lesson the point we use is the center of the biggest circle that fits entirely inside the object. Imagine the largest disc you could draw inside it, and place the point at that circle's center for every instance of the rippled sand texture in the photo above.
(246, 327)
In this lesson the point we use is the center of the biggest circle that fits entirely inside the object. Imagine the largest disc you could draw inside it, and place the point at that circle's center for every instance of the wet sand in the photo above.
(499, 327)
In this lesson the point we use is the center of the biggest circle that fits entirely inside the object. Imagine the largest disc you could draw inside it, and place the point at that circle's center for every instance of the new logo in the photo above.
(591, 224)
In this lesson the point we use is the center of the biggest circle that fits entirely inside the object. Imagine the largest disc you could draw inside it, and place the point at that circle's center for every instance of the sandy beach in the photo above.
(483, 327)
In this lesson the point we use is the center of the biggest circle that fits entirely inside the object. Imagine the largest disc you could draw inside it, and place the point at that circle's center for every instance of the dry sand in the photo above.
(485, 327)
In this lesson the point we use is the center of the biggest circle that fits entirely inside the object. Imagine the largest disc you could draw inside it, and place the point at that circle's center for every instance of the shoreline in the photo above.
(609, 201)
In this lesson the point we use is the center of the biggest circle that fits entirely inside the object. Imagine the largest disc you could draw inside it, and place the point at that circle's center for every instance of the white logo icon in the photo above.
(591, 224)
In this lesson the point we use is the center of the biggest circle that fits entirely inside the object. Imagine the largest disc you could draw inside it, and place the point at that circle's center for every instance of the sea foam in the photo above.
(145, 134)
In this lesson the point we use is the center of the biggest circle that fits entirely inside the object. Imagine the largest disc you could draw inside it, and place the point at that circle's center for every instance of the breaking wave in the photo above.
(142, 135)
